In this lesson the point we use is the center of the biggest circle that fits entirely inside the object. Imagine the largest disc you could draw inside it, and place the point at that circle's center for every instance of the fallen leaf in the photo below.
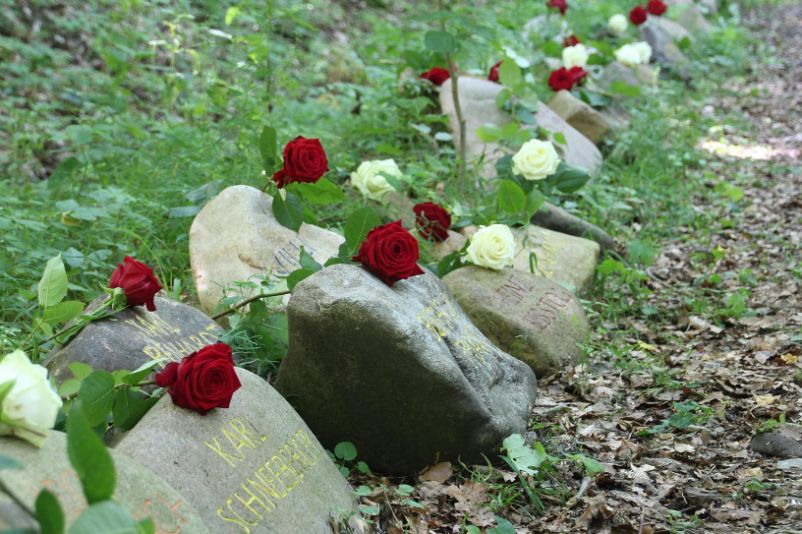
(438, 473)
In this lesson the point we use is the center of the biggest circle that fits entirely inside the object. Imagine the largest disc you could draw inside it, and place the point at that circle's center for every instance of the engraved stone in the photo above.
(478, 102)
(235, 237)
(529, 317)
(135, 336)
(253, 467)
(400, 371)
(138, 490)
(578, 114)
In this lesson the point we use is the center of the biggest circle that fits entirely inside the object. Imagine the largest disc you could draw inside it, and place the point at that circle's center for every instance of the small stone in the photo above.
(138, 490)
(399, 371)
(235, 237)
(637, 75)
(527, 316)
(692, 19)
(578, 114)
(135, 336)
(253, 467)
(663, 35)
(785, 442)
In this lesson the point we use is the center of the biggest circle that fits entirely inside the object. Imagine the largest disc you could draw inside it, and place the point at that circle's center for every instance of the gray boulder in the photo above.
(637, 75)
(400, 371)
(578, 114)
(663, 35)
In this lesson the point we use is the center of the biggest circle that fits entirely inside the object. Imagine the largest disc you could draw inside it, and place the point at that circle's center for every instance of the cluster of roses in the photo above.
(639, 13)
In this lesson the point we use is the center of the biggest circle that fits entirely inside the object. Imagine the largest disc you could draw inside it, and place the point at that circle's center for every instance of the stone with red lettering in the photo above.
(235, 238)
(136, 336)
(253, 467)
(140, 491)
(528, 316)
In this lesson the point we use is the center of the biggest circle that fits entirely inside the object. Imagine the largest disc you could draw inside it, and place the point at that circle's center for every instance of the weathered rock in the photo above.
(578, 114)
(235, 237)
(135, 336)
(663, 35)
(692, 19)
(529, 317)
(637, 75)
(253, 467)
(400, 371)
(478, 102)
(555, 218)
(784, 442)
(140, 491)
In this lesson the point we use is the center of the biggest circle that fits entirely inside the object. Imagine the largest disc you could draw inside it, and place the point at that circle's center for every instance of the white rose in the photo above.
(575, 56)
(644, 50)
(618, 24)
(492, 247)
(628, 55)
(372, 184)
(30, 408)
(536, 160)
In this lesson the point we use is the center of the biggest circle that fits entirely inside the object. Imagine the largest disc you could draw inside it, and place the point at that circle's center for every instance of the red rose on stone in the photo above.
(436, 75)
(578, 73)
(304, 161)
(493, 75)
(390, 252)
(432, 221)
(202, 381)
(137, 281)
(562, 5)
(565, 79)
(656, 7)
(571, 40)
(638, 15)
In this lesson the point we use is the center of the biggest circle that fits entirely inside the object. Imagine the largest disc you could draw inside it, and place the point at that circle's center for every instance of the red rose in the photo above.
(638, 15)
(656, 7)
(436, 75)
(202, 381)
(565, 79)
(493, 76)
(304, 161)
(432, 221)
(578, 74)
(390, 252)
(571, 40)
(562, 5)
(137, 282)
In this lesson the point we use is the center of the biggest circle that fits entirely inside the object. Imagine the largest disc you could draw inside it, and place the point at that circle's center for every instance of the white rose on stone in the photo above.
(492, 247)
(370, 182)
(536, 160)
(644, 50)
(30, 407)
(618, 24)
(628, 55)
(575, 56)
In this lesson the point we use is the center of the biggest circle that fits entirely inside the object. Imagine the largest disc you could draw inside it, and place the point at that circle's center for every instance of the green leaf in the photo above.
(450, 262)
(511, 198)
(5, 389)
(79, 370)
(552, 49)
(144, 370)
(357, 226)
(130, 405)
(146, 526)
(269, 149)
(534, 200)
(297, 276)
(231, 14)
(624, 89)
(321, 192)
(592, 466)
(503, 526)
(569, 179)
(96, 395)
(559, 138)
(510, 73)
(49, 514)
(523, 457)
(441, 42)
(53, 285)
(90, 459)
(393, 181)
(289, 212)
(369, 510)
(63, 311)
(105, 517)
(489, 133)
(308, 262)
(7, 462)
(345, 450)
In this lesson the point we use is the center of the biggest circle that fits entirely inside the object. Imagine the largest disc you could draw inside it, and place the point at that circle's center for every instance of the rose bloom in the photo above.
(432, 221)
(656, 7)
(638, 15)
(644, 51)
(492, 247)
(493, 75)
(304, 161)
(436, 75)
(565, 79)
(390, 252)
(575, 56)
(629, 54)
(137, 281)
(370, 182)
(30, 408)
(536, 160)
(571, 40)
(618, 24)
(561, 5)
(202, 381)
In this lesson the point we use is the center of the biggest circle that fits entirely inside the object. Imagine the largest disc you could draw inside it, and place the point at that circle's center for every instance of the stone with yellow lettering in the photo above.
(140, 491)
(254, 467)
(400, 371)
(530, 317)
(135, 336)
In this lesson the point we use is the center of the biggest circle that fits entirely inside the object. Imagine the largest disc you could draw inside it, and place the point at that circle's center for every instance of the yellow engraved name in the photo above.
(177, 348)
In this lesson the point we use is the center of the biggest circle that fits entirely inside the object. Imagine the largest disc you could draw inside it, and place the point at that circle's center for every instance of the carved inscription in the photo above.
(442, 318)
(280, 470)
(286, 258)
(543, 314)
